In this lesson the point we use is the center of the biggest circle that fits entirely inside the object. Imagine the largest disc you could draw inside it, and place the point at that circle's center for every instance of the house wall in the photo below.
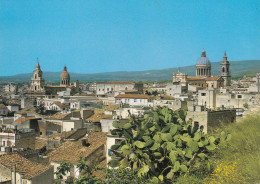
(207, 97)
(5, 174)
(96, 156)
(104, 88)
(111, 140)
(3, 111)
(132, 102)
(232, 100)
(173, 89)
(13, 108)
(123, 113)
(45, 127)
(72, 125)
(106, 124)
(44, 177)
(172, 104)
(93, 126)
(7, 139)
(55, 169)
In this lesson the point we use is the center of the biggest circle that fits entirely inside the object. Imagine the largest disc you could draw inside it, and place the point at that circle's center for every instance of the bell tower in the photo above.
(225, 70)
(37, 82)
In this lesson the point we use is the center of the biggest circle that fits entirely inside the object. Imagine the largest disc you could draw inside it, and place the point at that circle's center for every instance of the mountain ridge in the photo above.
(238, 68)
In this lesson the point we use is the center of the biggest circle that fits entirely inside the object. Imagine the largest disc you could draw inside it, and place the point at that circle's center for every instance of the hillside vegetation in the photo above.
(237, 161)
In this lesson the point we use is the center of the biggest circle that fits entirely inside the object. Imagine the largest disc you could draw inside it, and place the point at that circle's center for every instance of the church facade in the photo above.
(39, 89)
(37, 82)
(203, 76)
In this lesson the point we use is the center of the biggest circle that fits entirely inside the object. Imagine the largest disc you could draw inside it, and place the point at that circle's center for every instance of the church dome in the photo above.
(203, 60)
(65, 74)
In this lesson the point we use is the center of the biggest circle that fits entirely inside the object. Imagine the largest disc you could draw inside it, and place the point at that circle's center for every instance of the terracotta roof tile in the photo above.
(72, 150)
(23, 165)
(213, 78)
(2, 106)
(195, 78)
(60, 105)
(22, 119)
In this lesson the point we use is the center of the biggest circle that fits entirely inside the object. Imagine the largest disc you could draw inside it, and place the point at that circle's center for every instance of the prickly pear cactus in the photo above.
(161, 145)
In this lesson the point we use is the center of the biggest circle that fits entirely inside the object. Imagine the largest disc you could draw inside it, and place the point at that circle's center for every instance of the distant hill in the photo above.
(238, 69)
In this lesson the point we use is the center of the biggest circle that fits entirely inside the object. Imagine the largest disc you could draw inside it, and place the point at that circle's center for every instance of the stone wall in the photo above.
(216, 118)
(212, 119)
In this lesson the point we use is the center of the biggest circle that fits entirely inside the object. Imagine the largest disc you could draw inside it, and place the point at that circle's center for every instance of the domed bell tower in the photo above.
(203, 65)
(65, 77)
(225, 70)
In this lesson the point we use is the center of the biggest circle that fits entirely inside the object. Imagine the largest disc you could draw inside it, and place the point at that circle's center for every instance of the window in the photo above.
(107, 89)
(112, 89)
(203, 94)
(239, 96)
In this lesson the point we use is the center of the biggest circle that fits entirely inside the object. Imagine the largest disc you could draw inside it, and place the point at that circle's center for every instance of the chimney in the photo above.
(85, 143)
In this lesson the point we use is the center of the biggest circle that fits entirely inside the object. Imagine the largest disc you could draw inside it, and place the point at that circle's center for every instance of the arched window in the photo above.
(35, 76)
(223, 69)
(227, 69)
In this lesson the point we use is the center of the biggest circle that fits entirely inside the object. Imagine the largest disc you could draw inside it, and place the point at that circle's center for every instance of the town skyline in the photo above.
(97, 37)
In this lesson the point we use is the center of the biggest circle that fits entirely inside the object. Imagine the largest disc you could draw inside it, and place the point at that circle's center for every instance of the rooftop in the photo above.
(2, 106)
(23, 165)
(72, 150)
(22, 119)
(134, 96)
(60, 105)
(117, 82)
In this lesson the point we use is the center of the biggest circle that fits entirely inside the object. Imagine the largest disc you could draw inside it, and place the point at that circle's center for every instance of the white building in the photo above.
(132, 100)
(13, 108)
(111, 87)
(111, 140)
(207, 98)
(10, 88)
(173, 89)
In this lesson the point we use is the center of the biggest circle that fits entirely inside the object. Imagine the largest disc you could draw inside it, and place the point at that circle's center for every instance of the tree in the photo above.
(113, 176)
(85, 173)
(245, 105)
(162, 145)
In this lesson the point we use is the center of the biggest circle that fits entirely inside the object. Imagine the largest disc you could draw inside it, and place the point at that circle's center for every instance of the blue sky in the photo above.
(117, 35)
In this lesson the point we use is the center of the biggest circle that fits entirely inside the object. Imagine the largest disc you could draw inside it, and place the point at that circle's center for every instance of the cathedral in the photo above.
(203, 76)
(37, 82)
(39, 89)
